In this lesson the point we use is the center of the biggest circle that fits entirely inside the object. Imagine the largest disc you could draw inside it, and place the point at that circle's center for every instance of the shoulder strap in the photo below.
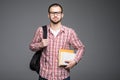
(44, 31)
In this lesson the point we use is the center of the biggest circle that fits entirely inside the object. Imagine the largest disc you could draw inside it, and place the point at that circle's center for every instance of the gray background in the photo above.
(96, 22)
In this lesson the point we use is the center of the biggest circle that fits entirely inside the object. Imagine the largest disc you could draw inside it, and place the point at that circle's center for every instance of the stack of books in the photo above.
(65, 55)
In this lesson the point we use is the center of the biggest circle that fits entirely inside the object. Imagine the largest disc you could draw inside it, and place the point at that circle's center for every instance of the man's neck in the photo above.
(55, 27)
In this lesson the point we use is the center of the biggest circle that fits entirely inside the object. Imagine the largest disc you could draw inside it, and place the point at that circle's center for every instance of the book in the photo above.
(65, 55)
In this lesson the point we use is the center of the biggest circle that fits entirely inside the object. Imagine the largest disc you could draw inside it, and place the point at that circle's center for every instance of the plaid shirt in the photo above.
(49, 68)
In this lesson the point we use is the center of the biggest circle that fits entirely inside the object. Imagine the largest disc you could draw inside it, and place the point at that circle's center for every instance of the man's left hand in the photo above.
(71, 64)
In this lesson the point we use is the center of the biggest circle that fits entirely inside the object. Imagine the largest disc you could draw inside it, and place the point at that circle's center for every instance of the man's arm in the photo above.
(38, 42)
(78, 46)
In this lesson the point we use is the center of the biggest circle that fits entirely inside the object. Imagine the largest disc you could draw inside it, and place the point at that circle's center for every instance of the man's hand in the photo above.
(71, 64)
(44, 43)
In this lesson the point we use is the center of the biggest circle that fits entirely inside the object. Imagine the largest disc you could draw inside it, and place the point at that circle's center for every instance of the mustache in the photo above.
(55, 17)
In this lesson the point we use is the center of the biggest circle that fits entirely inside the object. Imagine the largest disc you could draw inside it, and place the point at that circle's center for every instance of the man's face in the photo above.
(55, 14)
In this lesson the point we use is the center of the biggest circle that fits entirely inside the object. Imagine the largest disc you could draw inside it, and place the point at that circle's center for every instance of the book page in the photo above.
(66, 57)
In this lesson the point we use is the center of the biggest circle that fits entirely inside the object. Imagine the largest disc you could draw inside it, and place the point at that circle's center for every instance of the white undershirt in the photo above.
(54, 32)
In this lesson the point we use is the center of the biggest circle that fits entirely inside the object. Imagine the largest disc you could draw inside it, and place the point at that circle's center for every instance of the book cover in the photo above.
(65, 55)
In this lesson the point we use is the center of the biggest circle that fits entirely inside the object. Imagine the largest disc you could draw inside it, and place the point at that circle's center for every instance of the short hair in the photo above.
(55, 4)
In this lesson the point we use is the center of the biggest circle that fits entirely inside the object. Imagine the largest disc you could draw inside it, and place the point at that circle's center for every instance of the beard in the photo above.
(56, 22)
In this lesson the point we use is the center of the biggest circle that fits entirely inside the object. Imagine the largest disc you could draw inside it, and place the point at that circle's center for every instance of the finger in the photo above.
(67, 61)
(67, 67)
(45, 42)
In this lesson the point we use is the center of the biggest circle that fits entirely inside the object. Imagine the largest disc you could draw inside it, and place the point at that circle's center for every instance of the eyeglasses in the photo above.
(57, 13)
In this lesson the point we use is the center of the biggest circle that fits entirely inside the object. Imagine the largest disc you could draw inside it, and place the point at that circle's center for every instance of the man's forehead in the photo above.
(55, 8)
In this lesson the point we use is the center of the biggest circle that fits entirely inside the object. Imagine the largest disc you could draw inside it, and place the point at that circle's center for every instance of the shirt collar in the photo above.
(62, 29)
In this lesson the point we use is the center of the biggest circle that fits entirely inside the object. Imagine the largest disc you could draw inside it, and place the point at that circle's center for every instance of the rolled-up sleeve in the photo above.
(77, 45)
(36, 41)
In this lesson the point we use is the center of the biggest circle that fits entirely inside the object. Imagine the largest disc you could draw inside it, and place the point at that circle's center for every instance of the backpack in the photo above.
(35, 61)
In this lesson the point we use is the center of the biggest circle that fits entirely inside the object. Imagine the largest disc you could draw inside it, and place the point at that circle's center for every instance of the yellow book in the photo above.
(65, 55)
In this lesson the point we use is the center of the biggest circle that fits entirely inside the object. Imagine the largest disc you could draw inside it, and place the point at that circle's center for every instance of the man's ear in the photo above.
(48, 15)
(62, 15)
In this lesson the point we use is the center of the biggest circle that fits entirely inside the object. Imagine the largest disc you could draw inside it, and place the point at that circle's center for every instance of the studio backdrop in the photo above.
(96, 22)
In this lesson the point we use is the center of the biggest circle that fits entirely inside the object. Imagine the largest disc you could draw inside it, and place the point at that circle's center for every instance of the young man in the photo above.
(58, 37)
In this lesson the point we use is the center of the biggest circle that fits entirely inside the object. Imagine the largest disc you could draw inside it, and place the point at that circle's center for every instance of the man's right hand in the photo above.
(44, 43)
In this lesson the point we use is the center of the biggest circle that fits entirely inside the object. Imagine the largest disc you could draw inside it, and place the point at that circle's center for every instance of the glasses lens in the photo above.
(58, 13)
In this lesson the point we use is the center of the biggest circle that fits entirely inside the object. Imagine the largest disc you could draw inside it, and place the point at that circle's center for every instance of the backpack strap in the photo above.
(44, 31)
